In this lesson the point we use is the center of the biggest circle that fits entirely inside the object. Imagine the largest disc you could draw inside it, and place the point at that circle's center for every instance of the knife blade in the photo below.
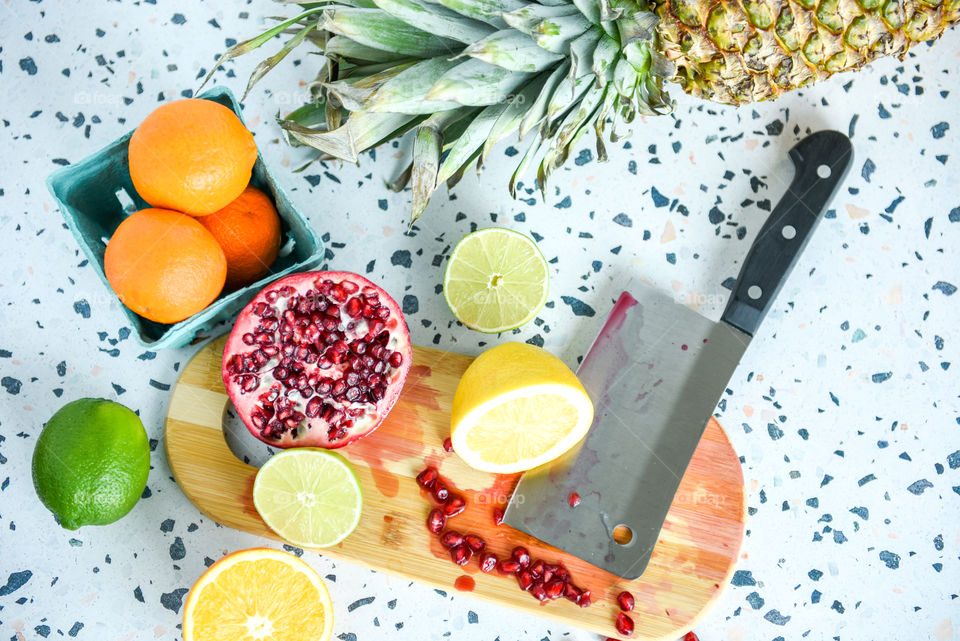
(655, 374)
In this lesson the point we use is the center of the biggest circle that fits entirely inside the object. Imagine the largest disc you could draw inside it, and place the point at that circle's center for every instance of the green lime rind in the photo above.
(483, 274)
(91, 462)
(310, 497)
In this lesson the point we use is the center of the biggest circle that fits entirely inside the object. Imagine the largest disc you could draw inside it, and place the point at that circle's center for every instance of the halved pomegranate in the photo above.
(317, 359)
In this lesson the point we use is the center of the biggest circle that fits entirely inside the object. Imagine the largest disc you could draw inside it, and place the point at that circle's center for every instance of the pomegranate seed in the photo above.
(451, 539)
(427, 478)
(488, 561)
(447, 445)
(571, 593)
(498, 516)
(349, 286)
(436, 520)
(547, 574)
(247, 339)
(537, 567)
(313, 407)
(353, 307)
(538, 591)
(475, 543)
(508, 566)
(625, 600)
(521, 556)
(461, 554)
(573, 499)
(584, 600)
(455, 505)
(624, 624)
(690, 636)
(554, 589)
(396, 359)
(525, 579)
(561, 572)
(440, 492)
(249, 383)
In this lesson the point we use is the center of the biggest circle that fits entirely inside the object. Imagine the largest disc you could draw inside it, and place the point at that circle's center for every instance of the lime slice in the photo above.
(496, 280)
(309, 497)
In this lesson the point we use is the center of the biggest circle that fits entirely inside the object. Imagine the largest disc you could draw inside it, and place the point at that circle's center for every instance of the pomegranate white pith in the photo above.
(317, 359)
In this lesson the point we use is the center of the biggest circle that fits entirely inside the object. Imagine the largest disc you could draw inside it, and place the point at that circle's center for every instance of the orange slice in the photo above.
(258, 594)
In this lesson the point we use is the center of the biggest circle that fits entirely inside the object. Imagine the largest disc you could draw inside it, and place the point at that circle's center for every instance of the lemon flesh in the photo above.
(496, 280)
(517, 407)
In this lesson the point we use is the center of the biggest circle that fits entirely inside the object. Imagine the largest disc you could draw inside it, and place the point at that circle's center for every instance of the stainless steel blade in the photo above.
(655, 373)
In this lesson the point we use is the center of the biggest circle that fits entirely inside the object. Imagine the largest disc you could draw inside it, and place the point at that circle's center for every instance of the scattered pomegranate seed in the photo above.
(488, 561)
(455, 505)
(440, 492)
(625, 599)
(436, 520)
(461, 554)
(624, 624)
(544, 581)
(508, 566)
(427, 478)
(554, 589)
(573, 499)
(690, 636)
(447, 445)
(537, 568)
(525, 579)
(475, 543)
(521, 556)
(451, 539)
(538, 591)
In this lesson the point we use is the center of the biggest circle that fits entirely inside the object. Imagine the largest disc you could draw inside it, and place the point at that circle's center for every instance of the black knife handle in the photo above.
(787, 229)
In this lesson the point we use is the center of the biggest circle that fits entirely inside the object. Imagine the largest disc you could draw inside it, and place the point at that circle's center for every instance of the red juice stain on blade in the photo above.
(465, 583)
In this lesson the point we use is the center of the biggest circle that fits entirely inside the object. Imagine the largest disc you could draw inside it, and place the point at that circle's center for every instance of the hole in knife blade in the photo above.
(824, 171)
(754, 292)
(789, 232)
(622, 534)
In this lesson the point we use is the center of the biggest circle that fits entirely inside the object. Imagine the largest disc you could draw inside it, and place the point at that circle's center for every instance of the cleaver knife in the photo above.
(655, 373)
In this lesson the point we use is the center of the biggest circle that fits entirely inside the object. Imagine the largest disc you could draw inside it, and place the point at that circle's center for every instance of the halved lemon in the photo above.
(258, 594)
(517, 407)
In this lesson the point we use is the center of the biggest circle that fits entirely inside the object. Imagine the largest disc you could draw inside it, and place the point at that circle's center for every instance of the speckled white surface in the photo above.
(845, 409)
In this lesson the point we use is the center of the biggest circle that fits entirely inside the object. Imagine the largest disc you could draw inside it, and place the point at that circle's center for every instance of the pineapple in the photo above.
(465, 74)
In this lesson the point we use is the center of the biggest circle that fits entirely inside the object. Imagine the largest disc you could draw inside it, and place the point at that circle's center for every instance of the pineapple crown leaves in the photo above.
(465, 74)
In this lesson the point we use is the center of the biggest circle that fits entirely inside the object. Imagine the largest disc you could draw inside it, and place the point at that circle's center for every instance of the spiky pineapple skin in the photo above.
(737, 52)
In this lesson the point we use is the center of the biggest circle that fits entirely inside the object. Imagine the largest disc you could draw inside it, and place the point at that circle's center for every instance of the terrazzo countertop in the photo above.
(844, 410)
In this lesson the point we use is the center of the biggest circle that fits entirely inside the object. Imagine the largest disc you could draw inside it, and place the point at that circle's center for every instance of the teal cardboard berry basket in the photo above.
(91, 194)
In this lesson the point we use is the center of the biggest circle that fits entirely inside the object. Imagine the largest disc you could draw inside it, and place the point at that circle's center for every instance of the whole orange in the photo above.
(248, 230)
(164, 265)
(191, 155)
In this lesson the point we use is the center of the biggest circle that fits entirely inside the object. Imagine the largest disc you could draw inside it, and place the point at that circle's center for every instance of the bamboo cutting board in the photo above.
(691, 564)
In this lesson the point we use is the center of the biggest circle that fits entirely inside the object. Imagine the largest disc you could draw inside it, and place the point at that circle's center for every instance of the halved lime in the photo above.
(496, 280)
(309, 496)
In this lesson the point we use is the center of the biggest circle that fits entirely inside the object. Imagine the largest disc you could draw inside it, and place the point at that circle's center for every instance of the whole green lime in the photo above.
(91, 462)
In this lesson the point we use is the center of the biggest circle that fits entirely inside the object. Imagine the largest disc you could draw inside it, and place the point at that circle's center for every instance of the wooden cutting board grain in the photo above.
(692, 563)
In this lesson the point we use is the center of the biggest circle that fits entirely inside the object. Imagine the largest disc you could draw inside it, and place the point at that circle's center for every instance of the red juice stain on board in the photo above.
(399, 438)
(465, 583)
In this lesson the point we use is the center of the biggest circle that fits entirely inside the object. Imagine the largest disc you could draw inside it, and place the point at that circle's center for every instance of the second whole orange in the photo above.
(191, 155)
(248, 230)
(164, 265)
